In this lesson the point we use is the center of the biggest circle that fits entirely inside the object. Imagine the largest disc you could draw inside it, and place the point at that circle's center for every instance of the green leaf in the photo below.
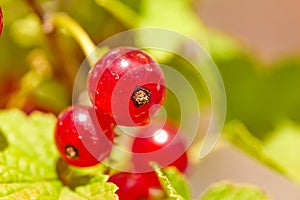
(67, 194)
(99, 189)
(170, 183)
(87, 183)
(27, 164)
(30, 190)
(230, 191)
(15, 168)
(283, 146)
(30, 143)
(178, 181)
(28, 159)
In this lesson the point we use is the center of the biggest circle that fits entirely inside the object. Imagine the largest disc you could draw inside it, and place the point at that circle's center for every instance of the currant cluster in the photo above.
(125, 86)
(152, 143)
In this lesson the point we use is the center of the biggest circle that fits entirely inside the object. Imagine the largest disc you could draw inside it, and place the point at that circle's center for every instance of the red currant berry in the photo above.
(79, 137)
(125, 84)
(132, 186)
(1, 21)
(161, 143)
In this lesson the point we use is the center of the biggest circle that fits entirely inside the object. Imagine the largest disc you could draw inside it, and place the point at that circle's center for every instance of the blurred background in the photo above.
(271, 28)
(255, 44)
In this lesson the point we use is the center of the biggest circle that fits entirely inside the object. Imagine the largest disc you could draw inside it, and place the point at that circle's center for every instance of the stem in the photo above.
(78, 33)
(36, 8)
(121, 11)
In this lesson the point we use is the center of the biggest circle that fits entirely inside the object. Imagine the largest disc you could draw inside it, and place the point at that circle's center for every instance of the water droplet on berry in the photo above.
(115, 75)
(161, 136)
(158, 87)
(124, 63)
(142, 56)
(82, 117)
(148, 68)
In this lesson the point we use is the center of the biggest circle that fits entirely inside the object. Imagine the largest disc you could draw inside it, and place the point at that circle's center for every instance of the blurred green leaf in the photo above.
(231, 191)
(150, 15)
(280, 150)
(258, 95)
(237, 133)
(177, 15)
(223, 47)
(283, 146)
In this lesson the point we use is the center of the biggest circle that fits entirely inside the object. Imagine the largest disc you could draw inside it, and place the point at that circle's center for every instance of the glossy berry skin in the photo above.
(159, 142)
(1, 21)
(81, 140)
(132, 186)
(124, 84)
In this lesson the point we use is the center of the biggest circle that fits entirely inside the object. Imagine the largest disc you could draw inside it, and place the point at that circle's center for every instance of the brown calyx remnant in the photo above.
(71, 152)
(141, 96)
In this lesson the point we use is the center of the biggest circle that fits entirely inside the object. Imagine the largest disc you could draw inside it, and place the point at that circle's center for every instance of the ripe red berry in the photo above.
(1, 20)
(125, 84)
(132, 186)
(79, 137)
(162, 143)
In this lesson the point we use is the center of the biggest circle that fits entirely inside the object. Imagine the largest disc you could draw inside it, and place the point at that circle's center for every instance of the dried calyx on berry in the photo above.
(71, 152)
(141, 96)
